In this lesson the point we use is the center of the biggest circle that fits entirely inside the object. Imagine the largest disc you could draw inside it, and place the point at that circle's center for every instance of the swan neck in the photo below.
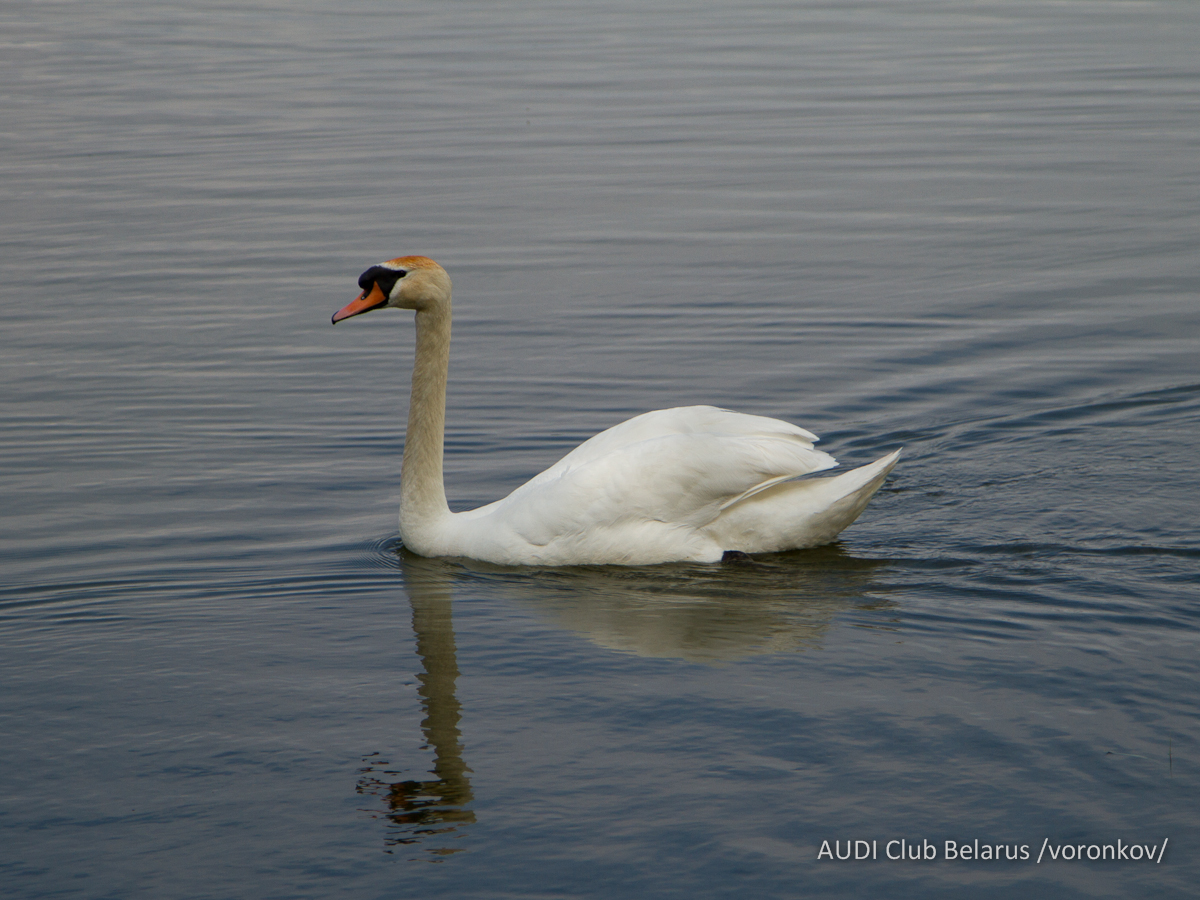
(422, 491)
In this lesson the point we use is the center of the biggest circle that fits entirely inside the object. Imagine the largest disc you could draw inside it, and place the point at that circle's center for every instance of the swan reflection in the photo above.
(699, 613)
(418, 810)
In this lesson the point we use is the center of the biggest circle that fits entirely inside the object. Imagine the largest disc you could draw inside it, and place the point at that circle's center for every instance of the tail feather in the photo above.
(797, 514)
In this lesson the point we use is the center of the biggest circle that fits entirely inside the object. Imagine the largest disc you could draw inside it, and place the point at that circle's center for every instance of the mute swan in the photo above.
(667, 486)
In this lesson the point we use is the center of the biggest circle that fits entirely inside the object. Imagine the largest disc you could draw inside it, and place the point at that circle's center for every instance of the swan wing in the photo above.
(628, 497)
(682, 420)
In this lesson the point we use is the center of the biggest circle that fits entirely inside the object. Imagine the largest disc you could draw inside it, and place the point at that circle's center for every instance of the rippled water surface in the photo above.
(964, 228)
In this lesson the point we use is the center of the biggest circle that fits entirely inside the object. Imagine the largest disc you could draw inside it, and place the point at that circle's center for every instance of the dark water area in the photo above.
(968, 229)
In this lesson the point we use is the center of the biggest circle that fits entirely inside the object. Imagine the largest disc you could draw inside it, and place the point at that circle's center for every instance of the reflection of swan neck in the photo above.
(422, 492)
(434, 628)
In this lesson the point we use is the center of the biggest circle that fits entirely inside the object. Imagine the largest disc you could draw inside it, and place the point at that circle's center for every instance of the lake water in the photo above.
(968, 229)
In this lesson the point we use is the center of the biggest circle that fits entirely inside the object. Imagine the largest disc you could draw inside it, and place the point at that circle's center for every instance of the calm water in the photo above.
(965, 228)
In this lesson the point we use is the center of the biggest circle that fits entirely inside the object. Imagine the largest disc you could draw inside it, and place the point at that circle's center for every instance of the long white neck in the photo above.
(422, 492)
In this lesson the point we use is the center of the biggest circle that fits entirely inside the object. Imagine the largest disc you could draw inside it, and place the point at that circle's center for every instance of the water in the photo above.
(968, 229)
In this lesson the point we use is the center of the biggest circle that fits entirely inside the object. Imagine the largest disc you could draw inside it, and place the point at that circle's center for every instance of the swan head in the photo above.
(406, 282)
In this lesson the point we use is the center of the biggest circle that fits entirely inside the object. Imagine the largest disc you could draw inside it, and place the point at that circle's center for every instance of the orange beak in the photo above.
(367, 301)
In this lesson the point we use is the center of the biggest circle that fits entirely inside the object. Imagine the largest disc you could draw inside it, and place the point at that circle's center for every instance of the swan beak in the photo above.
(367, 301)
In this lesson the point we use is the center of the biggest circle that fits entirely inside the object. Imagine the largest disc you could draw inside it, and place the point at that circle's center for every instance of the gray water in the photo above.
(968, 229)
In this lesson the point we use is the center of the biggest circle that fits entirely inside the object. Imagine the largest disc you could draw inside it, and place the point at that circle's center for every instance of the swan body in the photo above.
(684, 484)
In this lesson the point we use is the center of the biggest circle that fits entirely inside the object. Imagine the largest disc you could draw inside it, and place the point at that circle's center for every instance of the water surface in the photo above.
(967, 229)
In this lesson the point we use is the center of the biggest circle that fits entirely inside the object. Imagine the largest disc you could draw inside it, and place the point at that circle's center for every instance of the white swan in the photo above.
(676, 484)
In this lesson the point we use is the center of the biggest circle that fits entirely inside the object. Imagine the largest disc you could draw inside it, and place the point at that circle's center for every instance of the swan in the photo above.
(673, 485)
